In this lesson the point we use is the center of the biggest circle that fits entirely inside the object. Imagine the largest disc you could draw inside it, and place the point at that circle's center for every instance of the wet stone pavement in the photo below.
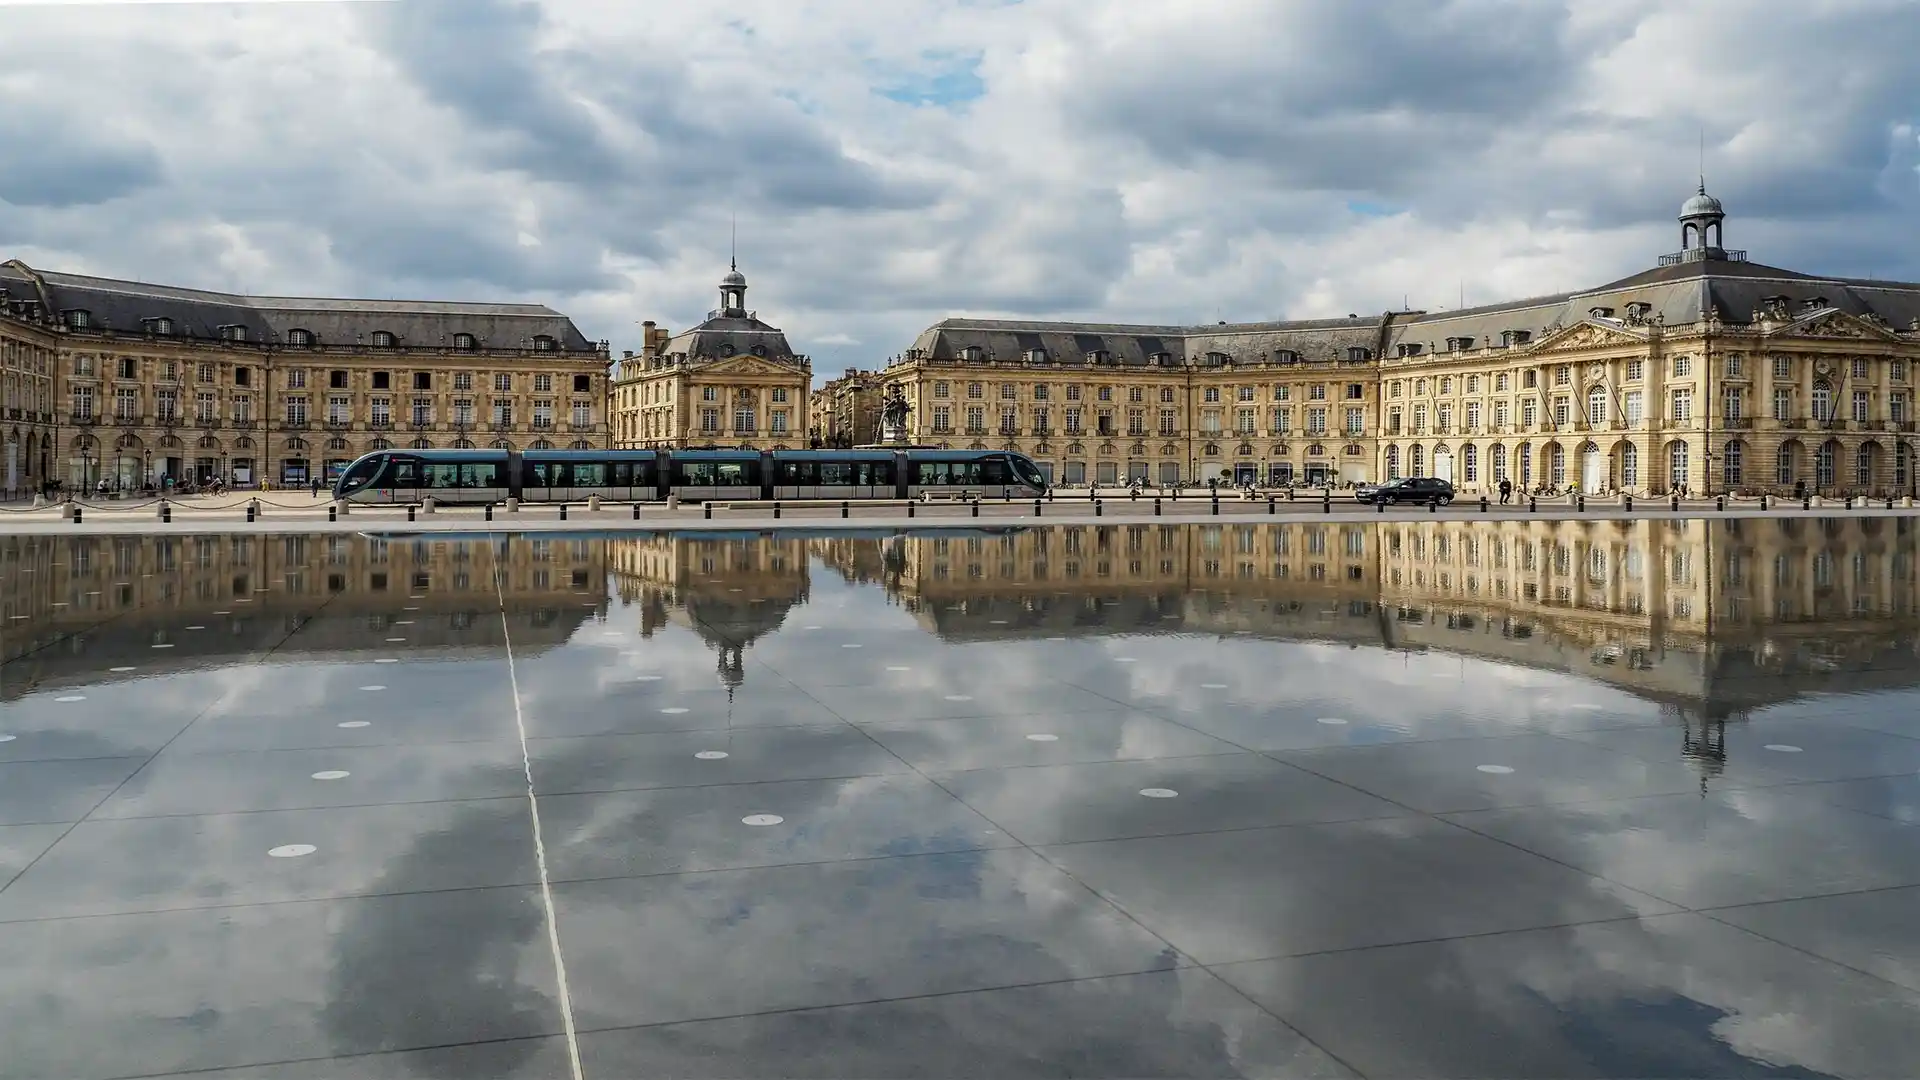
(1194, 801)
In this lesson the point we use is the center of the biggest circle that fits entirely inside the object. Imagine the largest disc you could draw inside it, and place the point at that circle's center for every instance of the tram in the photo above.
(477, 477)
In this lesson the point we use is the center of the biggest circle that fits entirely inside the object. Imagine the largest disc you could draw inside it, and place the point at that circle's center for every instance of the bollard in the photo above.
(1720, 503)
(76, 514)
(593, 504)
(1676, 502)
(333, 512)
(844, 511)
(250, 512)
(1848, 504)
(513, 505)
(1806, 502)
(1433, 506)
(1270, 506)
(910, 508)
(776, 509)
(1629, 502)
(1379, 506)
(1134, 494)
(1889, 502)
(1289, 494)
(1533, 504)
(1097, 506)
(1326, 502)
(976, 508)
(636, 511)
(1156, 506)
(1036, 508)
(489, 511)
(1483, 504)
(409, 514)
(706, 510)
(1216, 505)
(1580, 503)
(563, 511)
(166, 512)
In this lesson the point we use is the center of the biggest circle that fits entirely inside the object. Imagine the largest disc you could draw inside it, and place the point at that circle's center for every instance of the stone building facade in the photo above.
(154, 382)
(732, 381)
(29, 368)
(846, 411)
(1707, 373)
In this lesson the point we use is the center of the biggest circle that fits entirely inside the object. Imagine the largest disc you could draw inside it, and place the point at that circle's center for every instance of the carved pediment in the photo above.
(746, 365)
(1588, 335)
(1834, 324)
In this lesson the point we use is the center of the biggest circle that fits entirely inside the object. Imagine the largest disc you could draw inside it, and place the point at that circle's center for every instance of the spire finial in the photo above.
(1703, 160)
(733, 242)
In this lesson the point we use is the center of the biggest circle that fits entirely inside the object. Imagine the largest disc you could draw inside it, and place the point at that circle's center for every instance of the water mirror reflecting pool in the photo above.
(1435, 798)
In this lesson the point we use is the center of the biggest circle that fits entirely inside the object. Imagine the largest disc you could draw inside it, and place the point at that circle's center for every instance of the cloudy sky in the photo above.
(891, 164)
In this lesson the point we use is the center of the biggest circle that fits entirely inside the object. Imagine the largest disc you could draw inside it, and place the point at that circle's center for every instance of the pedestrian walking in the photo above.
(1506, 491)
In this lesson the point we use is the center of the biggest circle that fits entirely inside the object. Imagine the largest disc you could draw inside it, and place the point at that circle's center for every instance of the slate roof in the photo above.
(1733, 290)
(123, 307)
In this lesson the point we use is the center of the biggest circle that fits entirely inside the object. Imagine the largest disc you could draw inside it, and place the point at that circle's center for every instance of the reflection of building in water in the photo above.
(731, 589)
(64, 599)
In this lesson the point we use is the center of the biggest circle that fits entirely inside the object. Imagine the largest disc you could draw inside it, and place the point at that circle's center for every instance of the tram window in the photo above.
(403, 473)
(875, 474)
(589, 474)
(836, 473)
(360, 474)
(994, 471)
(956, 473)
(716, 473)
(798, 473)
(480, 474)
(439, 474)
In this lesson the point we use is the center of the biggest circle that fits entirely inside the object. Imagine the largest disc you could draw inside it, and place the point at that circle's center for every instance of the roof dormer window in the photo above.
(299, 337)
(161, 326)
(1163, 359)
(1034, 356)
(1639, 309)
(1358, 354)
(1215, 359)
(383, 339)
(233, 332)
(1600, 313)
(1459, 344)
(77, 318)
(973, 354)
(542, 343)
(1813, 303)
(1409, 348)
(1285, 356)
(465, 342)
(1099, 356)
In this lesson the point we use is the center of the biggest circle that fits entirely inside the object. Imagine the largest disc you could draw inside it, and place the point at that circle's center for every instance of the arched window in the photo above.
(1557, 465)
(1823, 464)
(1902, 465)
(1419, 460)
(1732, 461)
(1499, 463)
(381, 444)
(465, 342)
(1629, 465)
(1393, 463)
(1822, 402)
(1597, 406)
(1676, 464)
(542, 343)
(1470, 462)
(1526, 466)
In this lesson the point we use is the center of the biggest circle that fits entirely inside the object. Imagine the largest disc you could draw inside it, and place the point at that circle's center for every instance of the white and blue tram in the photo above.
(493, 476)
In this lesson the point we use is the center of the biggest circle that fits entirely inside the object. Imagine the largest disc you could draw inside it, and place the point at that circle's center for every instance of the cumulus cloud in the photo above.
(890, 165)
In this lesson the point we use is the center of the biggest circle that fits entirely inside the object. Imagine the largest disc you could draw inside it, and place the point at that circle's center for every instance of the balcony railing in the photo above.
(83, 419)
(1737, 423)
(1792, 422)
(208, 422)
(295, 425)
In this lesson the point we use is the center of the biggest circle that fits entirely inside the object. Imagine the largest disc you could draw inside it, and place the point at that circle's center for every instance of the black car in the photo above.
(1412, 489)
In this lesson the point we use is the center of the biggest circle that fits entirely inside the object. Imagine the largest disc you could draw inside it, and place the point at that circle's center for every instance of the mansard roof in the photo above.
(125, 307)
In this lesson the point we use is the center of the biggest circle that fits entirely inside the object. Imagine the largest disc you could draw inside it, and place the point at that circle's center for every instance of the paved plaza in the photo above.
(505, 806)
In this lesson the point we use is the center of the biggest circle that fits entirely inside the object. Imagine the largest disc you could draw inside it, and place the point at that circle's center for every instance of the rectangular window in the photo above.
(166, 405)
(1041, 416)
(423, 411)
(339, 409)
(582, 414)
(1419, 419)
(1316, 421)
(542, 384)
(709, 421)
(1860, 402)
(976, 419)
(1681, 403)
(463, 411)
(1008, 392)
(83, 403)
(1596, 409)
(1210, 421)
(1009, 420)
(1244, 393)
(1731, 403)
(1105, 393)
(1563, 375)
(1529, 413)
(296, 407)
(1317, 392)
(1897, 370)
(502, 413)
(1473, 416)
(943, 419)
(1040, 392)
(940, 388)
(206, 407)
(1356, 421)
(382, 412)
(1562, 412)
(1782, 403)
(1168, 424)
(242, 408)
(1682, 366)
(1137, 421)
(777, 421)
(502, 382)
(1636, 369)
(1897, 408)
(204, 373)
(1445, 417)
(1502, 414)
(1859, 367)
(297, 379)
(1210, 394)
(1073, 420)
(1735, 365)
(1500, 383)
(1782, 367)
(463, 380)
(1282, 420)
(543, 414)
